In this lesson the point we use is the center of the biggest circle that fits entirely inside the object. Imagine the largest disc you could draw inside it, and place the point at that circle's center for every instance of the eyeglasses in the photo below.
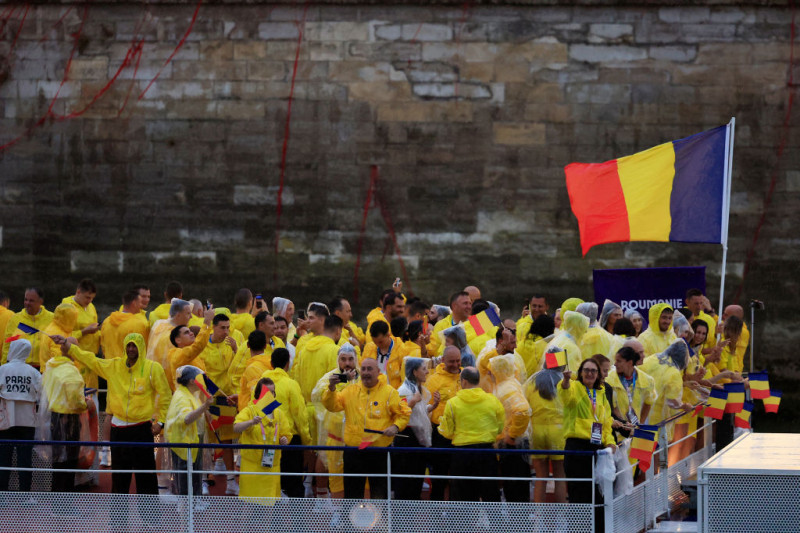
(589, 371)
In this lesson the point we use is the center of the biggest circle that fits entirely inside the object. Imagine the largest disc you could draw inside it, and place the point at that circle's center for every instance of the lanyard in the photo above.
(593, 398)
(630, 389)
(382, 355)
(264, 433)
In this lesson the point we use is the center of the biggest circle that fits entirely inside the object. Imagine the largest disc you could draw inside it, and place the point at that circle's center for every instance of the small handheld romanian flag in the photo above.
(772, 403)
(25, 328)
(267, 403)
(759, 385)
(221, 415)
(742, 419)
(716, 404)
(484, 321)
(556, 359)
(735, 398)
(643, 444)
(208, 387)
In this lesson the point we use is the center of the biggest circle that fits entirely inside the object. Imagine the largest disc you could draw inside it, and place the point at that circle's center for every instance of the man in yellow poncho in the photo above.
(256, 427)
(293, 406)
(518, 415)
(120, 323)
(658, 335)
(173, 291)
(531, 347)
(374, 414)
(340, 307)
(182, 427)
(32, 314)
(505, 343)
(62, 325)
(159, 345)
(259, 362)
(317, 356)
(393, 307)
(5, 312)
(460, 309)
(331, 424)
(187, 347)
(86, 328)
(537, 306)
(445, 381)
(387, 351)
(134, 386)
(473, 419)
(242, 320)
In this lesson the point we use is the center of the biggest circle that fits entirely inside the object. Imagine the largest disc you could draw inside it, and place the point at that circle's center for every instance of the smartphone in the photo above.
(301, 314)
(208, 304)
(259, 297)
(343, 377)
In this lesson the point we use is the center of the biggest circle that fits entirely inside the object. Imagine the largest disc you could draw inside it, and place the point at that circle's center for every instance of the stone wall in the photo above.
(467, 112)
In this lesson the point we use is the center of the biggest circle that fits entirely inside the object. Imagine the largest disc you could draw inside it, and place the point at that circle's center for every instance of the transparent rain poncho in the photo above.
(459, 338)
(419, 421)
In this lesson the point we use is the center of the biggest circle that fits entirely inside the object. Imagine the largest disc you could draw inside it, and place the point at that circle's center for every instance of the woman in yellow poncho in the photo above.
(257, 428)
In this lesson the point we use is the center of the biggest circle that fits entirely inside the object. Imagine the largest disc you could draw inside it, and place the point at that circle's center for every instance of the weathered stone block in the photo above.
(337, 31)
(470, 91)
(414, 32)
(275, 31)
(684, 14)
(425, 112)
(673, 53)
(610, 31)
(266, 70)
(606, 54)
(519, 134)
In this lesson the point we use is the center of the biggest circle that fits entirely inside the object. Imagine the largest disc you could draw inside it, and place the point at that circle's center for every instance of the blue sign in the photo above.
(641, 288)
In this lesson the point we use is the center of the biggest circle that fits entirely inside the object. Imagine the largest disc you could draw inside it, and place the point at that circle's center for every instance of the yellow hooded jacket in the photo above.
(217, 358)
(254, 368)
(319, 355)
(359, 334)
(293, 405)
(374, 408)
(668, 385)
(596, 340)
(509, 391)
(116, 327)
(644, 392)
(574, 326)
(653, 339)
(394, 370)
(188, 355)
(63, 384)
(5, 316)
(447, 385)
(472, 417)
(86, 315)
(176, 429)
(39, 321)
(489, 381)
(132, 392)
(531, 349)
(578, 415)
(244, 323)
(159, 313)
(63, 323)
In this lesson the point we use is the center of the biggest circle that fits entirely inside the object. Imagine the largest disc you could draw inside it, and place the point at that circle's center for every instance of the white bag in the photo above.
(624, 482)
(605, 470)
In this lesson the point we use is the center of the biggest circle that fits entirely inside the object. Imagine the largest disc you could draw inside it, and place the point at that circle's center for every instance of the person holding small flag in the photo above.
(262, 423)
(185, 409)
(374, 414)
(634, 392)
(587, 427)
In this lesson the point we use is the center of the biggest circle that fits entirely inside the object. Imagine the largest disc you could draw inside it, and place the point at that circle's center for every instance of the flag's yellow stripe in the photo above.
(646, 179)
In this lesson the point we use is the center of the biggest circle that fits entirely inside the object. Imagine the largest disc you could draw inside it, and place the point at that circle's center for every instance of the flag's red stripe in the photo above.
(598, 202)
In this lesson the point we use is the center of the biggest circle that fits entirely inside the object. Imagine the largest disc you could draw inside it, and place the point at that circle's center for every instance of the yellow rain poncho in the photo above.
(188, 355)
(217, 358)
(39, 321)
(253, 370)
(394, 365)
(573, 328)
(159, 313)
(509, 391)
(447, 385)
(244, 323)
(653, 339)
(547, 414)
(176, 429)
(86, 316)
(666, 369)
(488, 381)
(267, 433)
(132, 392)
(472, 417)
(116, 327)
(293, 405)
(63, 386)
(578, 413)
(62, 324)
(319, 355)
(374, 408)
(644, 392)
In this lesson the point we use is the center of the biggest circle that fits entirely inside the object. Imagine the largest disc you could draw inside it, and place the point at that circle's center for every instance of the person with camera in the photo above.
(374, 414)
(331, 423)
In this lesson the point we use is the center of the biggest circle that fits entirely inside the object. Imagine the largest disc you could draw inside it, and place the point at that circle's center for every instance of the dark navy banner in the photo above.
(641, 288)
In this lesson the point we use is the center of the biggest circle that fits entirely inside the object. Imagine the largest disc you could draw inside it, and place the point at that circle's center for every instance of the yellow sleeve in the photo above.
(162, 388)
(520, 416)
(184, 356)
(500, 415)
(11, 327)
(101, 367)
(608, 436)
(238, 364)
(447, 423)
(333, 400)
(400, 411)
(569, 398)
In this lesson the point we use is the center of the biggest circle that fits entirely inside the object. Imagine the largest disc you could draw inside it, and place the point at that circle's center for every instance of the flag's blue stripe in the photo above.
(698, 187)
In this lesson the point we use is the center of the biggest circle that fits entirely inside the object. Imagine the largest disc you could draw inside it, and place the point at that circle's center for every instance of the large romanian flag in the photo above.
(675, 191)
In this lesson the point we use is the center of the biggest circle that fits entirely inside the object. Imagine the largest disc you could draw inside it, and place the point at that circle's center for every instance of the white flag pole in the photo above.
(726, 208)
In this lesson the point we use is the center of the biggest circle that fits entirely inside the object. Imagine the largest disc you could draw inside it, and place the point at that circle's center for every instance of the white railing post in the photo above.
(663, 443)
(608, 503)
(594, 482)
(389, 490)
(190, 488)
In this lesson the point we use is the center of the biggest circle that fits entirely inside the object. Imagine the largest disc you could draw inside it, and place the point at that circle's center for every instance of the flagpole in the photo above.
(726, 208)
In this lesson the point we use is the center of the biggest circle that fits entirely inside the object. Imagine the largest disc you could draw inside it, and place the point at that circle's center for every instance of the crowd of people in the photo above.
(417, 376)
